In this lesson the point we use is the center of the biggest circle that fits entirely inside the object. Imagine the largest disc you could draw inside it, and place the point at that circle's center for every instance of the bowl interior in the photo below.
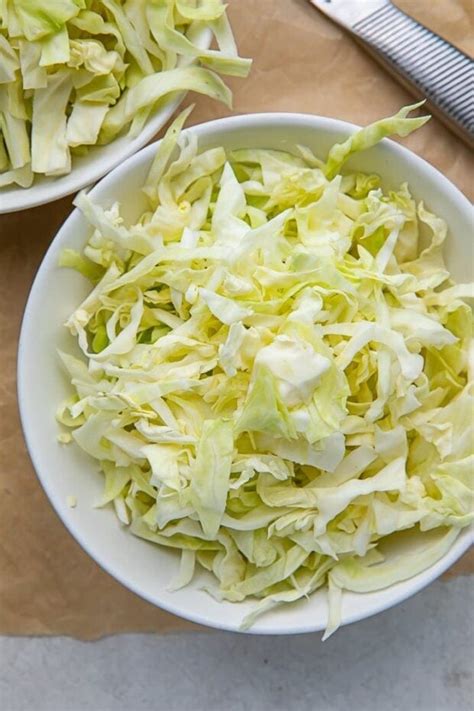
(65, 470)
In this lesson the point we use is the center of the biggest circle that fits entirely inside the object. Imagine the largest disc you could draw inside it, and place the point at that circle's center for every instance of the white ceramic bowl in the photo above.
(65, 470)
(99, 161)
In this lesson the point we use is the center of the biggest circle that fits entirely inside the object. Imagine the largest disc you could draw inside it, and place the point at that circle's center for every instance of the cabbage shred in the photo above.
(77, 73)
(274, 373)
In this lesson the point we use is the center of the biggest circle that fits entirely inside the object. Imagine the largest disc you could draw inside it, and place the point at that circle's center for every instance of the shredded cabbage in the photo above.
(273, 376)
(76, 73)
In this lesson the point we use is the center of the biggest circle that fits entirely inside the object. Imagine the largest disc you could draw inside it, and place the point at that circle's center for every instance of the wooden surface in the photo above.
(48, 585)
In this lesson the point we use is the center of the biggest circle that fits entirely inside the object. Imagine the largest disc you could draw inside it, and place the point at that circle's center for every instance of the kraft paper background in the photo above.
(302, 62)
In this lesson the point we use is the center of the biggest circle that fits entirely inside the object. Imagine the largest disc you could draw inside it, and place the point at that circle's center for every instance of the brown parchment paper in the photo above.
(302, 62)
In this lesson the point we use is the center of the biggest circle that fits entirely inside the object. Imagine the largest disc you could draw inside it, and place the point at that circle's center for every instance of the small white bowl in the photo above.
(65, 470)
(99, 161)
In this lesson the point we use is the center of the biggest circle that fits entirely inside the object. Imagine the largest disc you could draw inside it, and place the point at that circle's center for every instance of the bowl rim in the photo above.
(244, 121)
